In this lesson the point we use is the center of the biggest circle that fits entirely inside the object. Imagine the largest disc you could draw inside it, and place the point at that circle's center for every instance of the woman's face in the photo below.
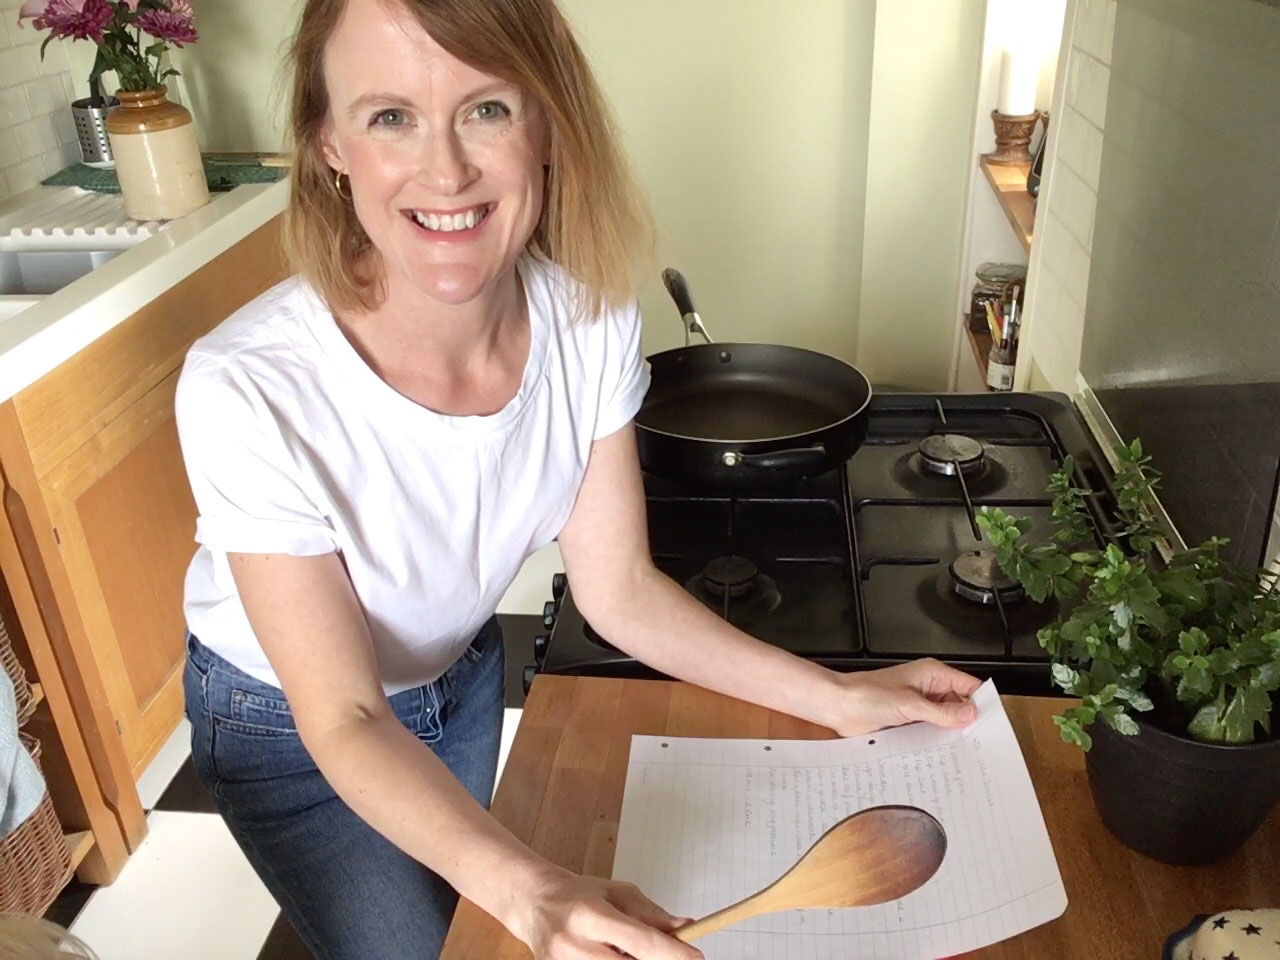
(446, 162)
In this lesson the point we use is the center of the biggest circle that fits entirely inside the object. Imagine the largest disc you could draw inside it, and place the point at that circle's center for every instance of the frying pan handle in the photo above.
(798, 459)
(678, 287)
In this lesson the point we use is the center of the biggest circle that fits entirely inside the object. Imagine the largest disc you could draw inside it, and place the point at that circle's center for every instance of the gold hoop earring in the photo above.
(337, 186)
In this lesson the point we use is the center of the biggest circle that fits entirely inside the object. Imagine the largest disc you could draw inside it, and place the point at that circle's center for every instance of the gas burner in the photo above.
(977, 576)
(951, 453)
(730, 577)
(735, 583)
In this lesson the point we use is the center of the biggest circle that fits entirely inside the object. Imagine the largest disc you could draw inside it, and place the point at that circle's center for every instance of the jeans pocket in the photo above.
(428, 726)
(257, 715)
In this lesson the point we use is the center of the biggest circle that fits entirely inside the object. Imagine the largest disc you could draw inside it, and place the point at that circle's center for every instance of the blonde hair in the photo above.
(27, 938)
(594, 223)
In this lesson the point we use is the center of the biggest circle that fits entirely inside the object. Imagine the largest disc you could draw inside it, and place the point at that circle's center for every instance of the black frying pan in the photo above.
(743, 415)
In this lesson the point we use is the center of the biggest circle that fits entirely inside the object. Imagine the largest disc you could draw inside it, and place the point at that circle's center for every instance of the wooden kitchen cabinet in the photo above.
(98, 529)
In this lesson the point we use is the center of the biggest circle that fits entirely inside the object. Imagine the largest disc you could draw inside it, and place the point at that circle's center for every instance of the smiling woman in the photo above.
(577, 204)
(376, 445)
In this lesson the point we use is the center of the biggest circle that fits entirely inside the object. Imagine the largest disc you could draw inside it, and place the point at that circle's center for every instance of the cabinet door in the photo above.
(124, 522)
(92, 452)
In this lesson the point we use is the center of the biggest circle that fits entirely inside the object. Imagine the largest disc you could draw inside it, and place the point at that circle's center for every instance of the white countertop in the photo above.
(42, 336)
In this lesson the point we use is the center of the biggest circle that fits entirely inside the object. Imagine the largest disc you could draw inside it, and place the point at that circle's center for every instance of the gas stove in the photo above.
(878, 562)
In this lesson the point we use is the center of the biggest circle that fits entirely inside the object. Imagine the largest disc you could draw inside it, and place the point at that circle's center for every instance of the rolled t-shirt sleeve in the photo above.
(626, 372)
(249, 498)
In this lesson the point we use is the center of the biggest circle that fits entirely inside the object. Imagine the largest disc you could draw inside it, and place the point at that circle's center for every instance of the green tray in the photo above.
(221, 176)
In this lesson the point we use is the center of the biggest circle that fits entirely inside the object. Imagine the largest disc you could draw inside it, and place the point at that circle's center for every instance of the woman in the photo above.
(375, 447)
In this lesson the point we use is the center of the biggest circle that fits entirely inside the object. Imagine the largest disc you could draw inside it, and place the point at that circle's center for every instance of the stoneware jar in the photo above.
(157, 157)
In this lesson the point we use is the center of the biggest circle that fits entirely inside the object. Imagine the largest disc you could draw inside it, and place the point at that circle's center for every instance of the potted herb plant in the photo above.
(1179, 660)
(152, 139)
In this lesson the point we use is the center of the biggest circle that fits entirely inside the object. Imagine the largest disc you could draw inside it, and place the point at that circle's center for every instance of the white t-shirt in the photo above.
(294, 445)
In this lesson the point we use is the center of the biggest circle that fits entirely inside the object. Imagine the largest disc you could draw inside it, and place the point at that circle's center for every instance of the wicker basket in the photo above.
(34, 861)
(21, 689)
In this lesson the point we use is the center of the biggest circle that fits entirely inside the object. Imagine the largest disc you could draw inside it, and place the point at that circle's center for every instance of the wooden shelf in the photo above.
(1010, 185)
(79, 844)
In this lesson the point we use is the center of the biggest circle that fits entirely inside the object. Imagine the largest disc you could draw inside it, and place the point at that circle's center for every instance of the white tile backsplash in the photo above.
(1065, 234)
(35, 137)
(54, 63)
(1066, 259)
(1071, 140)
(1075, 203)
(25, 175)
(1080, 146)
(46, 95)
(37, 134)
(1095, 27)
(60, 157)
(1087, 88)
(8, 154)
(14, 107)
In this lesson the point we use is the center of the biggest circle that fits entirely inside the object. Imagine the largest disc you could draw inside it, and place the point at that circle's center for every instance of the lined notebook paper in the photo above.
(706, 823)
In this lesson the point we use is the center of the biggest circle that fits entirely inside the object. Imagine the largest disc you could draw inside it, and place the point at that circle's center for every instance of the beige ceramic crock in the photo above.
(157, 157)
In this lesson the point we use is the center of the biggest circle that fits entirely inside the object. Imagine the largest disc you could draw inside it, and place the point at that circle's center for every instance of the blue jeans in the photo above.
(348, 891)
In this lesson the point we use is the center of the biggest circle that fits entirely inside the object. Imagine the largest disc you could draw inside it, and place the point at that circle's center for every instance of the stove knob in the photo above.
(559, 583)
(530, 671)
(540, 646)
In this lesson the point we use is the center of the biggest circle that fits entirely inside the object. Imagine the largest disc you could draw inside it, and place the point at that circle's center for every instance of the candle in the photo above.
(1019, 73)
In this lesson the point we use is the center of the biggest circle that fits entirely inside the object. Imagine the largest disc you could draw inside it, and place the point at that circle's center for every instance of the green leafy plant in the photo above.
(1195, 641)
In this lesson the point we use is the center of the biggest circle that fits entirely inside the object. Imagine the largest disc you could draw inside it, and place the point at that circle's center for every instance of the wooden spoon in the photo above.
(875, 855)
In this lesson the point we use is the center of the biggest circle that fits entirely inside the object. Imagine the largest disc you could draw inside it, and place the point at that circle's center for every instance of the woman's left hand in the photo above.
(920, 690)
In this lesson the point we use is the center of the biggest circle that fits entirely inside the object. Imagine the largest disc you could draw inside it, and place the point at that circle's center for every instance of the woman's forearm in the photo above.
(398, 786)
(655, 620)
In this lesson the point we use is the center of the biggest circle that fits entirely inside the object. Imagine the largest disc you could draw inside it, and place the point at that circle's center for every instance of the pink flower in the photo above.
(175, 25)
(74, 19)
(32, 9)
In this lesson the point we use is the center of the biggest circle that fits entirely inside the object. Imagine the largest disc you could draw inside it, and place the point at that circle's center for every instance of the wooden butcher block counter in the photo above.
(561, 792)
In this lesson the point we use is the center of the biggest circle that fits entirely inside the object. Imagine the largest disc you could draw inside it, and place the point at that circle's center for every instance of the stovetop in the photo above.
(880, 561)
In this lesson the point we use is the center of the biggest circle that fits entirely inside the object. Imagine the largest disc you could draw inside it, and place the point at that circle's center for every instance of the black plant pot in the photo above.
(1178, 800)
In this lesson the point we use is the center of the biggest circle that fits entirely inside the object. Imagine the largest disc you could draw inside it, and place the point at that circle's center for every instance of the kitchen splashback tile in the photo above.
(1074, 202)
(1071, 140)
(8, 150)
(35, 122)
(60, 157)
(1088, 88)
(25, 175)
(54, 62)
(1095, 25)
(46, 95)
(14, 107)
(35, 137)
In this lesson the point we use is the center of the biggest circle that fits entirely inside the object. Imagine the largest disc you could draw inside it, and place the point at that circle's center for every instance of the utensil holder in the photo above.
(91, 130)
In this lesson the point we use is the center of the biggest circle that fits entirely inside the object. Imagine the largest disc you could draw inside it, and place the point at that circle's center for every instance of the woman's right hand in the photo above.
(571, 917)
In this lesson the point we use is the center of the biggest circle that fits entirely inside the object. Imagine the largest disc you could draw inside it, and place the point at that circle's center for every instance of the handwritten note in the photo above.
(706, 823)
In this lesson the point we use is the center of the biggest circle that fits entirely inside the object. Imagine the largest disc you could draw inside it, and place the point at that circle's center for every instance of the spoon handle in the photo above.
(721, 918)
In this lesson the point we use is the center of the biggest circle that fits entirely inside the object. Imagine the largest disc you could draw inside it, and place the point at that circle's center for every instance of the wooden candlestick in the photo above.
(1013, 137)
